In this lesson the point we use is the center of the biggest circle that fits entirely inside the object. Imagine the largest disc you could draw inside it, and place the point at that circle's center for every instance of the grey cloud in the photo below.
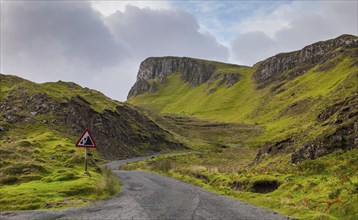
(70, 29)
(333, 19)
(68, 40)
(253, 46)
(164, 32)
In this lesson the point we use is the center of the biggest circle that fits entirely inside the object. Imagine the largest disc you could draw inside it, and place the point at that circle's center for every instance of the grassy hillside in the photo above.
(40, 166)
(301, 113)
(284, 108)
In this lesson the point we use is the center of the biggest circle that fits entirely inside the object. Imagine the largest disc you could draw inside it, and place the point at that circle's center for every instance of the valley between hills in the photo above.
(282, 134)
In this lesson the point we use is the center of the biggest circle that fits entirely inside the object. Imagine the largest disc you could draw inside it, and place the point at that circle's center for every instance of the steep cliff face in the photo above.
(298, 62)
(155, 70)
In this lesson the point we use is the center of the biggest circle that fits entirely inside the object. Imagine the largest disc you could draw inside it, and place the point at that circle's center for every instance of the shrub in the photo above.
(163, 165)
(109, 184)
(25, 144)
(9, 180)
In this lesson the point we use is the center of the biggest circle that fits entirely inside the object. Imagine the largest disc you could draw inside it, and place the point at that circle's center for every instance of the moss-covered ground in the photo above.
(40, 167)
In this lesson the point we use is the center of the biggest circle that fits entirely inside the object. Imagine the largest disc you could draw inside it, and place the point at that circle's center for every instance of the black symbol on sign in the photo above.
(86, 141)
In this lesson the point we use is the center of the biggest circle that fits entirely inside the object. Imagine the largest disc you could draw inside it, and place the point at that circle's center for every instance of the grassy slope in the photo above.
(325, 188)
(40, 166)
(309, 94)
(199, 134)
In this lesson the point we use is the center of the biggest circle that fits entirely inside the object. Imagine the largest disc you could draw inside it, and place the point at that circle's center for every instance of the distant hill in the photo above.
(302, 98)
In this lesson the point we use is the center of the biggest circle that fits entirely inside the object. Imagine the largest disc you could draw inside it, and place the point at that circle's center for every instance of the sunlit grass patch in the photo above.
(42, 170)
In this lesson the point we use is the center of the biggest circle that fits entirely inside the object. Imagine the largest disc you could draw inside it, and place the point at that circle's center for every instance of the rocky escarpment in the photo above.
(122, 132)
(290, 65)
(155, 70)
(342, 117)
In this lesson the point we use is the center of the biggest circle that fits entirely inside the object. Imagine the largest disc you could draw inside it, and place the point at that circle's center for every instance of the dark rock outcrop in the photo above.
(344, 138)
(284, 146)
(228, 79)
(342, 116)
(298, 62)
(123, 133)
(155, 70)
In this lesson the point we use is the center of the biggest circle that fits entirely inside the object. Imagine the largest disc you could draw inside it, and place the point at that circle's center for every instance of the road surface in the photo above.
(146, 195)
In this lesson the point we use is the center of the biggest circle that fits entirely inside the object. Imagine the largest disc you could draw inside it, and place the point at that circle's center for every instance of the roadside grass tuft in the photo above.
(109, 183)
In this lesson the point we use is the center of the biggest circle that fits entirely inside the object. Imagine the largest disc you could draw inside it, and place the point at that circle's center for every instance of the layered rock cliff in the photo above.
(155, 70)
(302, 116)
(290, 65)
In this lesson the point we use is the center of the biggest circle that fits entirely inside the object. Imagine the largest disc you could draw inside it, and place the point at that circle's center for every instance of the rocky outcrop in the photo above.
(342, 116)
(155, 70)
(228, 79)
(298, 62)
(344, 138)
(120, 133)
(284, 146)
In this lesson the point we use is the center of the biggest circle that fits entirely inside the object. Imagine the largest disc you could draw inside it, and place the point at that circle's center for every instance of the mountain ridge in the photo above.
(301, 60)
(290, 94)
(159, 68)
(155, 70)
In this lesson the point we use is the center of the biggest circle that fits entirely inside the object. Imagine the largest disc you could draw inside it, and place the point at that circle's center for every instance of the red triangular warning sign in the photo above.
(86, 140)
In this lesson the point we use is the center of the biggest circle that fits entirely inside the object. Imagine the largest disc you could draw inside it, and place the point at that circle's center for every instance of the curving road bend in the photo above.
(147, 195)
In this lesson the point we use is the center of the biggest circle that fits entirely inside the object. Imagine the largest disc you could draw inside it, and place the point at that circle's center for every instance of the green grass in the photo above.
(202, 134)
(44, 170)
(40, 168)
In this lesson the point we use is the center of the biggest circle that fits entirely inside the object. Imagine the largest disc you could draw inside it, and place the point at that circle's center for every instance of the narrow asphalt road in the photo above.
(146, 195)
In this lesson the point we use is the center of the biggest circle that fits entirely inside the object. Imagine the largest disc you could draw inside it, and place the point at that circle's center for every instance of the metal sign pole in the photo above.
(86, 160)
(86, 171)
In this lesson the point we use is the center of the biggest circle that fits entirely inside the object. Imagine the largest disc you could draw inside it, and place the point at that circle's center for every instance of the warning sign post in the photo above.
(86, 141)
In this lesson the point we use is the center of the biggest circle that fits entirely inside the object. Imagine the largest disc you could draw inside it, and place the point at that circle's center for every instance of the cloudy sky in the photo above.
(100, 44)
